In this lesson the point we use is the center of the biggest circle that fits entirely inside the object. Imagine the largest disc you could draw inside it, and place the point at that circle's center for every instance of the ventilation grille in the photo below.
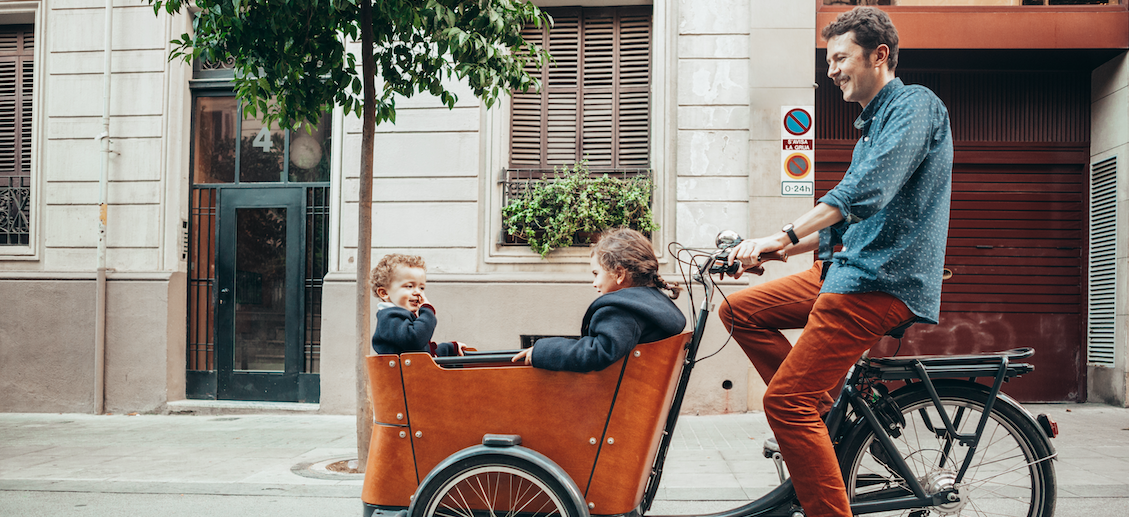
(1103, 263)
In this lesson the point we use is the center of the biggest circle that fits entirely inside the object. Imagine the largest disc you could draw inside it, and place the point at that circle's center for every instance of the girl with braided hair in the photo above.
(631, 308)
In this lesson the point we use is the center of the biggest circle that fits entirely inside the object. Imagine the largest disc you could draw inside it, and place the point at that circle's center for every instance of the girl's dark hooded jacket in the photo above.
(613, 325)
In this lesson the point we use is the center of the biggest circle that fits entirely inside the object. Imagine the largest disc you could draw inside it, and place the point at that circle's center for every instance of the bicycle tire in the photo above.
(492, 485)
(1011, 473)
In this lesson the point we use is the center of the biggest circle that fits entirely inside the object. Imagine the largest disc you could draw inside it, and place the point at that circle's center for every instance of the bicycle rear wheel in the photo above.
(1010, 475)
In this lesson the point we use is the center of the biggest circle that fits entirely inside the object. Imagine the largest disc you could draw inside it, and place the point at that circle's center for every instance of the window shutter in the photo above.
(9, 99)
(560, 91)
(26, 82)
(594, 102)
(599, 88)
(525, 121)
(634, 102)
(16, 82)
(1103, 263)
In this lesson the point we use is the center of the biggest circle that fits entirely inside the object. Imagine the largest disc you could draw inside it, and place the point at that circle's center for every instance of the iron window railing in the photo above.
(15, 210)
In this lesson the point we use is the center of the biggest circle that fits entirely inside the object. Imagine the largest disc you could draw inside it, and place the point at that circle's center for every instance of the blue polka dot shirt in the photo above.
(895, 202)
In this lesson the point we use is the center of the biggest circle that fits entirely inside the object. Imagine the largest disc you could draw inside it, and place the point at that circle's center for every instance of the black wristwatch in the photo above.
(790, 230)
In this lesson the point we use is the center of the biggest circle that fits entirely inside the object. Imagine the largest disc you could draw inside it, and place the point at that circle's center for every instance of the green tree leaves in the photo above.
(291, 60)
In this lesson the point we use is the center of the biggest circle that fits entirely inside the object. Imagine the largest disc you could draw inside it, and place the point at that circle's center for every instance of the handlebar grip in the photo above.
(775, 255)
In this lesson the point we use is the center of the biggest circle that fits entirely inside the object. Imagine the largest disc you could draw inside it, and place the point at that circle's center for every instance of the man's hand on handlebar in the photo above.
(753, 252)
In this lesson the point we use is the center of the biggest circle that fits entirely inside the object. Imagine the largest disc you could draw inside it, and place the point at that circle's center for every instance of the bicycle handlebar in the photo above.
(720, 267)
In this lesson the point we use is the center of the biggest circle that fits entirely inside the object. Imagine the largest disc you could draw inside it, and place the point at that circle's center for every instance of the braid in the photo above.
(673, 287)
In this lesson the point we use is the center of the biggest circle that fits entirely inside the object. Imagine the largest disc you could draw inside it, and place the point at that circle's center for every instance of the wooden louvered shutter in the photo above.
(598, 94)
(525, 120)
(16, 66)
(594, 101)
(633, 147)
(561, 91)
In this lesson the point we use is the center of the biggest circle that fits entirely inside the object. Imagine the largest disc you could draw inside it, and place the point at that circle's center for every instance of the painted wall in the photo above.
(48, 289)
(47, 345)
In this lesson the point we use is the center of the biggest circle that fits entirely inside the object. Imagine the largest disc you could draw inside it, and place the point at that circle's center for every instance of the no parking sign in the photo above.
(797, 150)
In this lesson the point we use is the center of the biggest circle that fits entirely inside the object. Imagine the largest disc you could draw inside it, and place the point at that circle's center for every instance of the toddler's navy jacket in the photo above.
(398, 331)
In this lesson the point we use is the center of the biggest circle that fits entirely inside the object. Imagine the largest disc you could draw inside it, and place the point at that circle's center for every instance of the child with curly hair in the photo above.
(405, 320)
(631, 308)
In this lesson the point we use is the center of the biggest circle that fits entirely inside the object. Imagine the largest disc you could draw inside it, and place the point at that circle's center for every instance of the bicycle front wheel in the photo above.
(495, 486)
(1010, 474)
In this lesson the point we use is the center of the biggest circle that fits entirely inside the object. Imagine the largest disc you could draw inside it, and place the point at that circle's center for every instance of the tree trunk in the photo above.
(364, 235)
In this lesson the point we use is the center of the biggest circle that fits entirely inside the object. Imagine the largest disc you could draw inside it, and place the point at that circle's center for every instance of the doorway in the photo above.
(258, 251)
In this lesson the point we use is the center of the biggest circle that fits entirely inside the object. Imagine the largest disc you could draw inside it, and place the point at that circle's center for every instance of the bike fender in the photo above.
(515, 451)
(1005, 398)
(1001, 398)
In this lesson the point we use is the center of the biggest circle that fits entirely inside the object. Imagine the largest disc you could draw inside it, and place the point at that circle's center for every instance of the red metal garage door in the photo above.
(1016, 239)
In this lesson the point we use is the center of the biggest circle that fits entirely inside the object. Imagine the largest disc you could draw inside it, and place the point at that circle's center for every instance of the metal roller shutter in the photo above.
(1016, 234)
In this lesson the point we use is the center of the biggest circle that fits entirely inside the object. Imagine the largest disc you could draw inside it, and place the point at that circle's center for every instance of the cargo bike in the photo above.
(479, 436)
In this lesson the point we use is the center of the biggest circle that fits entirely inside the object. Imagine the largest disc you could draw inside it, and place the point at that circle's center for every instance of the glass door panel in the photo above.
(261, 152)
(213, 139)
(260, 289)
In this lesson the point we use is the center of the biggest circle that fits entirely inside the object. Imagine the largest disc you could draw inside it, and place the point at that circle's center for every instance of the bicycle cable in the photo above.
(689, 263)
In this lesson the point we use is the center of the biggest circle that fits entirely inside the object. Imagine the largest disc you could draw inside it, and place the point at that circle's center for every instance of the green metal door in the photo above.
(259, 280)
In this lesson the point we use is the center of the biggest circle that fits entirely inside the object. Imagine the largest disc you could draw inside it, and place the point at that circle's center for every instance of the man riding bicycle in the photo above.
(890, 213)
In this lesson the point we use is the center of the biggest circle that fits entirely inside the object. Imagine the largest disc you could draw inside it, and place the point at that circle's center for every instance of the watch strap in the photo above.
(788, 229)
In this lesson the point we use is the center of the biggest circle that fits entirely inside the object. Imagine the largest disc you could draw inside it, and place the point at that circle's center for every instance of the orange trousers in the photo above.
(838, 328)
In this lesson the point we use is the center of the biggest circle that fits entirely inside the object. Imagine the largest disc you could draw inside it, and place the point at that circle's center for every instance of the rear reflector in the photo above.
(1050, 427)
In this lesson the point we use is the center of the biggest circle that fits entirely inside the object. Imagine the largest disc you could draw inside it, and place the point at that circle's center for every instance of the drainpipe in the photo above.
(103, 181)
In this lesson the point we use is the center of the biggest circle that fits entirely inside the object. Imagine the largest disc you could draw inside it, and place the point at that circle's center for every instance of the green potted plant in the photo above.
(575, 204)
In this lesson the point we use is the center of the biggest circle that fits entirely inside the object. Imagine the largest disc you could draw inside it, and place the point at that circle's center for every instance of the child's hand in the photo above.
(423, 299)
(525, 356)
(461, 347)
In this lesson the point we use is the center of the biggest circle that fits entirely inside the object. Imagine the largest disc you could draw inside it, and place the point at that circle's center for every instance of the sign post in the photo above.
(797, 151)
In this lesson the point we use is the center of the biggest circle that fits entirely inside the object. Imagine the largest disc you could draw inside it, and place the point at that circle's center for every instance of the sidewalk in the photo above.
(714, 460)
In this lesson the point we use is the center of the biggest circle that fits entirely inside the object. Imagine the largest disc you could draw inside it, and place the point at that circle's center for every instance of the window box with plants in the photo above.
(573, 204)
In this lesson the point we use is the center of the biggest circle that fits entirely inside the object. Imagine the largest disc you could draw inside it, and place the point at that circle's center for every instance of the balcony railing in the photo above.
(15, 210)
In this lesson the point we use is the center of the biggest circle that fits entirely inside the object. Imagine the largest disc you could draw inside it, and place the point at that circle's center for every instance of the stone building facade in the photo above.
(720, 71)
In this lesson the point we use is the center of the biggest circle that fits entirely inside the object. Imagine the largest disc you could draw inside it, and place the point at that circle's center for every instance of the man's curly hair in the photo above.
(381, 275)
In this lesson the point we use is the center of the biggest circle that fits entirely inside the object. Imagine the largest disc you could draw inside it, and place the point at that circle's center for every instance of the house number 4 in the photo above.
(263, 141)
